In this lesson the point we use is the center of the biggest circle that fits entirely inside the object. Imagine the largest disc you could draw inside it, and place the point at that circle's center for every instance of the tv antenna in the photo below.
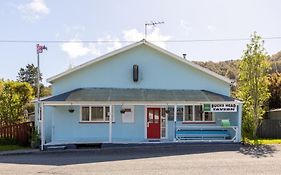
(152, 23)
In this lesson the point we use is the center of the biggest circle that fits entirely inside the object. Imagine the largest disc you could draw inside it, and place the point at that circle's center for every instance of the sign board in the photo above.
(220, 108)
(128, 116)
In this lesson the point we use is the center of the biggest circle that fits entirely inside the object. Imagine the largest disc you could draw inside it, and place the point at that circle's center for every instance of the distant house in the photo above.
(274, 114)
(270, 126)
(137, 94)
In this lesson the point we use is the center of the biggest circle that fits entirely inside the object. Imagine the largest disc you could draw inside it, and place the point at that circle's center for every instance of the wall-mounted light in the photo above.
(71, 109)
(167, 111)
(135, 73)
(122, 111)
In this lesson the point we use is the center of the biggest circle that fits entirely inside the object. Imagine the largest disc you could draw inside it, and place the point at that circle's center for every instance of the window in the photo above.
(188, 115)
(195, 113)
(85, 114)
(180, 111)
(208, 116)
(95, 114)
(163, 122)
(156, 116)
(198, 113)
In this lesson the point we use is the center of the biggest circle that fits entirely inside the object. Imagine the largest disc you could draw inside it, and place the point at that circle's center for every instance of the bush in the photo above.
(8, 141)
(35, 139)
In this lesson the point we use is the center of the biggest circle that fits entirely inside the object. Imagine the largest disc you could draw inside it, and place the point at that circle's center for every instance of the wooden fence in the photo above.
(270, 129)
(21, 133)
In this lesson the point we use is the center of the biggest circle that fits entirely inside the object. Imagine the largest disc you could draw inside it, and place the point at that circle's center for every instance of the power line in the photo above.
(131, 41)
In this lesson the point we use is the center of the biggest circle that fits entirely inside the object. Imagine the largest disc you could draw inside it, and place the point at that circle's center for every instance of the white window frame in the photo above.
(193, 116)
(166, 125)
(90, 114)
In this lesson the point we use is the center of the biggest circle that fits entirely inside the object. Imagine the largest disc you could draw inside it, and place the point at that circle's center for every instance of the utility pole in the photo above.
(40, 49)
(152, 23)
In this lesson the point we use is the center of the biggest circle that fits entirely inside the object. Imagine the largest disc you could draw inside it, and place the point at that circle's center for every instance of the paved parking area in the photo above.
(158, 159)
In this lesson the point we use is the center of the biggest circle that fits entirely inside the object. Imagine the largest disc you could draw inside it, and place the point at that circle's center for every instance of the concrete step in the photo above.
(58, 147)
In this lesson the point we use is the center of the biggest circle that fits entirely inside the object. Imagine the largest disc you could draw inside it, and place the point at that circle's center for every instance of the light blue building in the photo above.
(137, 94)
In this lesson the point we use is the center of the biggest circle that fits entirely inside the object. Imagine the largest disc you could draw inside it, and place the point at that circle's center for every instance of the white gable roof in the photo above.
(207, 71)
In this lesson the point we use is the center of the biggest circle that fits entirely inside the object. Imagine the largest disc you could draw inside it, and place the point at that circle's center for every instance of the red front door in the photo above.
(153, 123)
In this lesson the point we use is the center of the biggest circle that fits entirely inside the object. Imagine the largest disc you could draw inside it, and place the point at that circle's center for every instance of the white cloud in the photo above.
(211, 28)
(115, 44)
(132, 35)
(34, 10)
(93, 49)
(155, 36)
(75, 49)
(186, 27)
(75, 30)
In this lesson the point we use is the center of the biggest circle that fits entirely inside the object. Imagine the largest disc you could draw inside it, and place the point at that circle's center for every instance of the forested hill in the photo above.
(229, 68)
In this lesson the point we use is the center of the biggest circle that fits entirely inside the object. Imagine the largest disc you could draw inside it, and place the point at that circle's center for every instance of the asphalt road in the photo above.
(171, 159)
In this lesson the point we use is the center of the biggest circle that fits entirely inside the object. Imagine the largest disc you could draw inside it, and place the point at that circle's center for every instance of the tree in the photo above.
(275, 90)
(253, 84)
(46, 91)
(276, 62)
(14, 96)
(29, 75)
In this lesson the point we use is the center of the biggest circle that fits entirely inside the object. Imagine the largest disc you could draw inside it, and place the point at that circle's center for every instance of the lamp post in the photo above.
(39, 49)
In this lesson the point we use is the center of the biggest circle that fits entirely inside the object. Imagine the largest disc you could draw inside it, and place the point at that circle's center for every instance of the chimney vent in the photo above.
(184, 55)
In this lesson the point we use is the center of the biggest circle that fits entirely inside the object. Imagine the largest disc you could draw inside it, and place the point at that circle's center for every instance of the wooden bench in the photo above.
(202, 134)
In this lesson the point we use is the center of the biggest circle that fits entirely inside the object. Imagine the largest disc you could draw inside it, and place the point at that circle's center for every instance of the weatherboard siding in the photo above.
(64, 126)
(60, 125)
(156, 71)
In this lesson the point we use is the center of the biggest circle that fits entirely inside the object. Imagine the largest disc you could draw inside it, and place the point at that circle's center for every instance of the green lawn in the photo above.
(263, 141)
(10, 147)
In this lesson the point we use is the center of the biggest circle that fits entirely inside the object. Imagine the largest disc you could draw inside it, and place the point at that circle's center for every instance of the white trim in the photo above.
(193, 116)
(167, 126)
(53, 126)
(275, 110)
(166, 121)
(145, 122)
(41, 106)
(110, 124)
(175, 122)
(193, 112)
(90, 113)
(159, 103)
(239, 134)
(207, 71)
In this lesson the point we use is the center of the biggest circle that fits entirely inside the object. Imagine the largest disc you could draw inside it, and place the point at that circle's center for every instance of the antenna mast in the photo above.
(152, 23)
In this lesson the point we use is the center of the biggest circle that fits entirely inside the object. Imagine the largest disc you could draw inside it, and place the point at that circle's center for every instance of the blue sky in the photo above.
(72, 20)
